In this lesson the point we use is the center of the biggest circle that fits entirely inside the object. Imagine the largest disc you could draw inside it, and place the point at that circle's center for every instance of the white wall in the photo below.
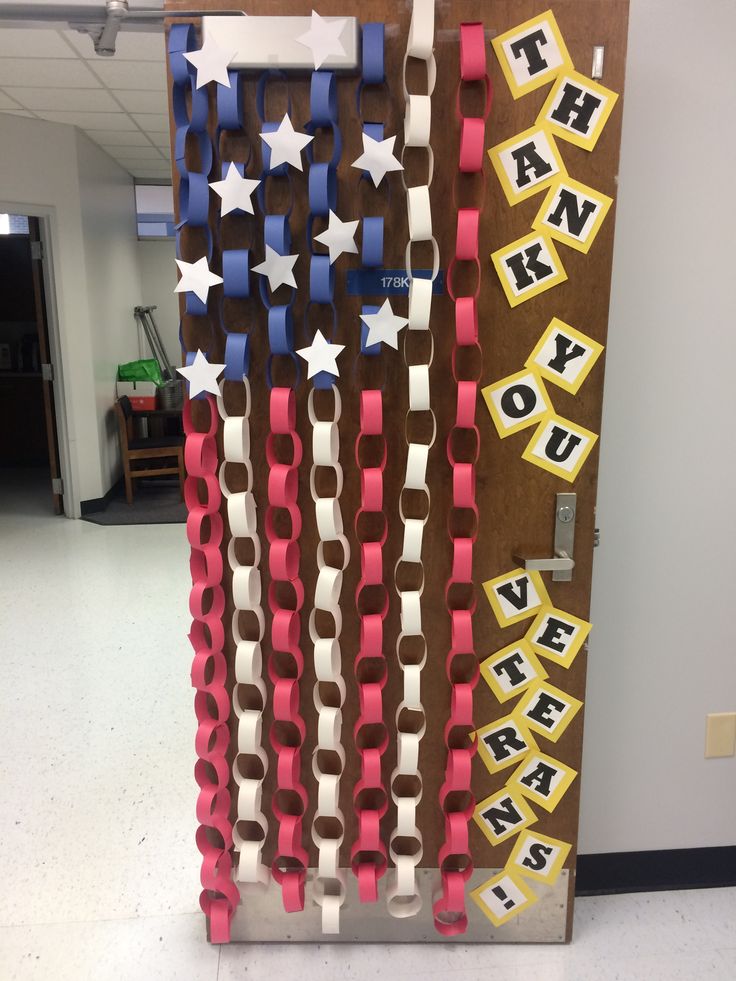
(158, 279)
(663, 652)
(41, 165)
(113, 285)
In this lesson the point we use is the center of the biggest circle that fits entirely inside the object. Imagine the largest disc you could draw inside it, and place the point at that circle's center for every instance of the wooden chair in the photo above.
(156, 448)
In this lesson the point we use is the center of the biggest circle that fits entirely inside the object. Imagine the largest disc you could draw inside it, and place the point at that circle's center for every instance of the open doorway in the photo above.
(30, 473)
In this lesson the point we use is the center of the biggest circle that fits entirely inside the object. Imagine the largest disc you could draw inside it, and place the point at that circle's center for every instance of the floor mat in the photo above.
(153, 504)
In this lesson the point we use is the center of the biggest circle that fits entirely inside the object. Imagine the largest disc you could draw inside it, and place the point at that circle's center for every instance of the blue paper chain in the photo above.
(190, 127)
(235, 262)
(322, 200)
(276, 235)
(374, 74)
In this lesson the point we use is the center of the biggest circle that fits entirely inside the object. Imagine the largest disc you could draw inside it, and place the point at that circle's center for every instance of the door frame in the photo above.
(46, 216)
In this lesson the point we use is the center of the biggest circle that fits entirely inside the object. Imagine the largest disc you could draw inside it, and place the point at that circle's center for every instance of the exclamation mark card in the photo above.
(503, 896)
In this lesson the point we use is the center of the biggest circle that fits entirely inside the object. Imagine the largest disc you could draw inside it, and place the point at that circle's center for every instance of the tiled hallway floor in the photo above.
(97, 856)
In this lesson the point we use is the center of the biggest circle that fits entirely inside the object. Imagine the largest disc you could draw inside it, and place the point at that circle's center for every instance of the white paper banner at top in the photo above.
(271, 42)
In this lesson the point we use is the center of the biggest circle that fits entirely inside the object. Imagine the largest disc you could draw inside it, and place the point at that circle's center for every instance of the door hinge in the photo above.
(47, 372)
(37, 251)
(57, 485)
(596, 537)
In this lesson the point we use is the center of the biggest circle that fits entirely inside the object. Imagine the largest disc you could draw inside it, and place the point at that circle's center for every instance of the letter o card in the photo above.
(560, 446)
(516, 595)
(528, 267)
(564, 355)
(532, 54)
(516, 402)
(527, 163)
(503, 743)
(503, 896)
(577, 109)
(512, 670)
(558, 635)
(547, 710)
(543, 780)
(538, 856)
(572, 213)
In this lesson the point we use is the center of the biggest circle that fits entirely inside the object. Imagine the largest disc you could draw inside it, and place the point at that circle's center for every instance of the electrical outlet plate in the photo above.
(720, 734)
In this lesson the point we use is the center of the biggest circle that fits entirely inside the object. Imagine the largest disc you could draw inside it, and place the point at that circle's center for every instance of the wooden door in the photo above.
(517, 499)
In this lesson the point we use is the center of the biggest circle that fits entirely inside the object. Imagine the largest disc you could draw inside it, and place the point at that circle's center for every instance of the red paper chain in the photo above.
(368, 855)
(286, 662)
(456, 798)
(214, 837)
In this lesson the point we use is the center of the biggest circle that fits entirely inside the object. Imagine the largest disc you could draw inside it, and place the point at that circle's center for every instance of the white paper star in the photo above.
(278, 268)
(211, 63)
(196, 278)
(286, 144)
(235, 191)
(323, 38)
(201, 375)
(378, 158)
(321, 355)
(383, 326)
(339, 237)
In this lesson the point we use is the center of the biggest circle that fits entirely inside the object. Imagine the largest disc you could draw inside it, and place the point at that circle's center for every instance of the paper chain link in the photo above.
(368, 853)
(286, 591)
(328, 759)
(456, 799)
(250, 762)
(406, 846)
(214, 835)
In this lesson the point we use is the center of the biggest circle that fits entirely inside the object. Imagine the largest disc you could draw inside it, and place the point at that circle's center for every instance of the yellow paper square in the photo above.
(522, 661)
(503, 399)
(550, 356)
(560, 210)
(538, 850)
(564, 121)
(516, 66)
(542, 712)
(547, 773)
(511, 814)
(517, 746)
(525, 594)
(513, 889)
(527, 163)
(560, 446)
(528, 267)
(558, 635)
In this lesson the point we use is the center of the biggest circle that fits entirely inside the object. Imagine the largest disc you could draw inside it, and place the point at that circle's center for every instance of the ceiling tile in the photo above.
(108, 137)
(65, 100)
(33, 43)
(146, 102)
(162, 139)
(146, 170)
(134, 153)
(129, 46)
(91, 120)
(150, 122)
(7, 103)
(129, 74)
(54, 72)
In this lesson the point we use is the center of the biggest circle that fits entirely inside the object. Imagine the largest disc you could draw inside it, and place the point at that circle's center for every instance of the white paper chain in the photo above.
(328, 826)
(249, 692)
(405, 844)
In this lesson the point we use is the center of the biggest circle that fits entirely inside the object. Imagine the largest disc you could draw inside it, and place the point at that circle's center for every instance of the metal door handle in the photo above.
(561, 563)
